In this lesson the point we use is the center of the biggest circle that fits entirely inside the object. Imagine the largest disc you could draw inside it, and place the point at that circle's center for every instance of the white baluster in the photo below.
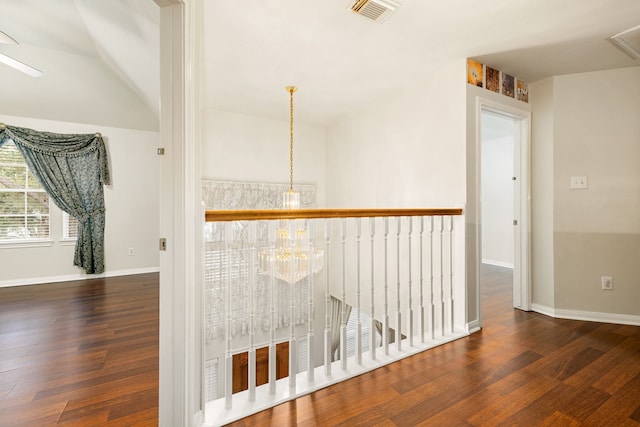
(433, 309)
(293, 345)
(410, 310)
(398, 313)
(228, 365)
(385, 319)
(343, 314)
(252, 311)
(422, 319)
(359, 324)
(327, 301)
(311, 258)
(451, 271)
(441, 238)
(372, 320)
(272, 306)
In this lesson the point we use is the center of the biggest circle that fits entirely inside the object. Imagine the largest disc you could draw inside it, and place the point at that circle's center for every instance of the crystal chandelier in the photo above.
(289, 259)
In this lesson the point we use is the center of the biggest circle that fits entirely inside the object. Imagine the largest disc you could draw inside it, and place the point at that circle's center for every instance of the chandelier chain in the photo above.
(291, 89)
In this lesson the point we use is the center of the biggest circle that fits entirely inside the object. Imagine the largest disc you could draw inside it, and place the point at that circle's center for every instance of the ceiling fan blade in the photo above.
(20, 66)
(6, 39)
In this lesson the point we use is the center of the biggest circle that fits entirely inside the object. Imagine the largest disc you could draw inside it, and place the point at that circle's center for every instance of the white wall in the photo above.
(131, 203)
(404, 151)
(241, 147)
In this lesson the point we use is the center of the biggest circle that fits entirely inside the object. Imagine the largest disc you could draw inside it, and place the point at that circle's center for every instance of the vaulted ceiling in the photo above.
(100, 58)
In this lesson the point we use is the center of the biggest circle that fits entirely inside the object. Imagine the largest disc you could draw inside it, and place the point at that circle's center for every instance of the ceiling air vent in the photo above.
(629, 41)
(376, 10)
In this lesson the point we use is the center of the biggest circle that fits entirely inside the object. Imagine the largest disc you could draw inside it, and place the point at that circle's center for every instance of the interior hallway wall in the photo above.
(597, 230)
(242, 147)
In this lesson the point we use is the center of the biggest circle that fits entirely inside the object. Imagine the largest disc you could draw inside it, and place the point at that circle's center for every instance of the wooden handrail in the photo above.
(267, 214)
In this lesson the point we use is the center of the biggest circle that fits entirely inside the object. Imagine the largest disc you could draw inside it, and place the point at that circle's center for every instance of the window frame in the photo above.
(66, 239)
(35, 241)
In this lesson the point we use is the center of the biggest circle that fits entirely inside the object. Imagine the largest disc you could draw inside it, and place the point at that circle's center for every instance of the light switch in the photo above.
(578, 182)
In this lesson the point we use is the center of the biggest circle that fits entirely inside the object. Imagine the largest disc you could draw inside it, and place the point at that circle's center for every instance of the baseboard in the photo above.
(72, 277)
(589, 316)
(497, 263)
(543, 309)
(473, 327)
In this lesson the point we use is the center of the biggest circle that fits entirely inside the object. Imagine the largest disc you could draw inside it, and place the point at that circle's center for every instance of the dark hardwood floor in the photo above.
(86, 354)
(82, 353)
(522, 369)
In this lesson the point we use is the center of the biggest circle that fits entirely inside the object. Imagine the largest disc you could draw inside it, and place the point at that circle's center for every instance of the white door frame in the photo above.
(522, 199)
(180, 214)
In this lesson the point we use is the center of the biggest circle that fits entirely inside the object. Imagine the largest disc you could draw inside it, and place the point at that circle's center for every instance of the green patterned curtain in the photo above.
(73, 170)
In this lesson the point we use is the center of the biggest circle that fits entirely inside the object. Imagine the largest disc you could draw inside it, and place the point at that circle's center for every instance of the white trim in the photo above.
(68, 241)
(522, 255)
(180, 218)
(543, 309)
(27, 243)
(497, 263)
(73, 277)
(193, 228)
(589, 316)
(474, 326)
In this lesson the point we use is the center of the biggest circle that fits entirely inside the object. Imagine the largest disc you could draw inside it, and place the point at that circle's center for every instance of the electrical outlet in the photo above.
(578, 182)
(131, 252)
(607, 283)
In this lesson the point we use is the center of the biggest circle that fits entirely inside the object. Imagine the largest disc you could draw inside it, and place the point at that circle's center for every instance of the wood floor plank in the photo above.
(538, 411)
(620, 408)
(620, 372)
(635, 416)
(585, 402)
(609, 373)
(498, 409)
(559, 419)
(367, 418)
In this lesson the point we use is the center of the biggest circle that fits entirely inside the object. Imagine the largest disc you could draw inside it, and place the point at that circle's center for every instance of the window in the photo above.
(69, 226)
(24, 205)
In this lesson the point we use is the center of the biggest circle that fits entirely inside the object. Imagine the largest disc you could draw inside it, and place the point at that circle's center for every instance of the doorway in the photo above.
(504, 199)
(497, 192)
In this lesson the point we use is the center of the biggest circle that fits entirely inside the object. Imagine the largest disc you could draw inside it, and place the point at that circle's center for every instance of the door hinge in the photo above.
(513, 178)
(160, 151)
(163, 244)
(515, 222)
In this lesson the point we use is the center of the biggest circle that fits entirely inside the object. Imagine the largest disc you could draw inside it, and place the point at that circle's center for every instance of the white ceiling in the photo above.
(339, 61)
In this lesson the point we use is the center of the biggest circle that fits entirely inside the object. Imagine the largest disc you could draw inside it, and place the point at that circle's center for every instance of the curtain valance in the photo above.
(73, 169)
